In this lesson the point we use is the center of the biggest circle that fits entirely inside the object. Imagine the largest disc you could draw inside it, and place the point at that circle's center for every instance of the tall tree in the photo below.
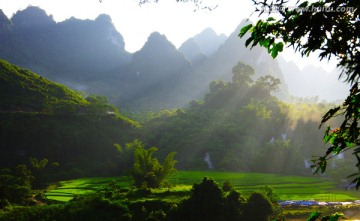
(147, 171)
(242, 74)
(332, 28)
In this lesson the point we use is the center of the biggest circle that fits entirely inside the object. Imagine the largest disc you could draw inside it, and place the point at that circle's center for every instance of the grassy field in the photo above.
(287, 187)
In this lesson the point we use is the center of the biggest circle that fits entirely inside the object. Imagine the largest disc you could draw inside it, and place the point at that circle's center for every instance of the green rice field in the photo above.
(286, 187)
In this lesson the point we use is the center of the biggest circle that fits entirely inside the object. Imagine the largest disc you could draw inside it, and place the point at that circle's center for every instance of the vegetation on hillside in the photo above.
(41, 119)
(241, 126)
(24, 91)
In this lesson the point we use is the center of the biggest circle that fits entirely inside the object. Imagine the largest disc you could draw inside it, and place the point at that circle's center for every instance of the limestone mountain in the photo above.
(234, 50)
(209, 41)
(70, 51)
(32, 17)
(5, 23)
(219, 65)
(153, 74)
(90, 55)
(192, 51)
(202, 45)
(317, 81)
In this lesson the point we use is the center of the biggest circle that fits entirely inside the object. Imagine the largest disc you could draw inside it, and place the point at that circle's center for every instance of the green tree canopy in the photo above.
(15, 185)
(242, 74)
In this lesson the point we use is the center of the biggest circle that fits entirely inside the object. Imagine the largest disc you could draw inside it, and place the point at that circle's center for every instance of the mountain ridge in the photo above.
(90, 55)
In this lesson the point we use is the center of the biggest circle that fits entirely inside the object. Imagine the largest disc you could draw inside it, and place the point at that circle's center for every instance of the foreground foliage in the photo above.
(206, 202)
(147, 171)
(15, 186)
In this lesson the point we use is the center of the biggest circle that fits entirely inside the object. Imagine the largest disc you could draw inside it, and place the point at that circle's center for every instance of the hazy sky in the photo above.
(178, 21)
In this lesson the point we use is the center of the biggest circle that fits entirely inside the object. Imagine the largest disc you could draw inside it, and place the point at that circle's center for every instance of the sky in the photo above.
(177, 21)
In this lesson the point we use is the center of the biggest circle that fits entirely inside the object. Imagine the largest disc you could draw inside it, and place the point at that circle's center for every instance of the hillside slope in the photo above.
(22, 90)
(43, 119)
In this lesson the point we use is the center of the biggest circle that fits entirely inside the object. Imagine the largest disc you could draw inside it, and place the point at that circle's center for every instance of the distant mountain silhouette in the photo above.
(234, 50)
(70, 51)
(32, 17)
(202, 45)
(220, 64)
(312, 81)
(153, 74)
(5, 23)
(209, 41)
(90, 55)
(192, 51)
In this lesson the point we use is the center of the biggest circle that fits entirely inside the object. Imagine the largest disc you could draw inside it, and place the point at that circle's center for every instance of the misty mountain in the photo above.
(234, 50)
(209, 41)
(317, 81)
(219, 65)
(202, 45)
(32, 18)
(5, 23)
(148, 81)
(70, 51)
(192, 51)
(90, 55)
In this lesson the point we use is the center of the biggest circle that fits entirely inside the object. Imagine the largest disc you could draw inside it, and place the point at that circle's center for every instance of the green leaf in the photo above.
(266, 43)
(304, 4)
(244, 30)
(248, 41)
(336, 216)
(276, 48)
(279, 46)
(274, 53)
(327, 138)
(313, 216)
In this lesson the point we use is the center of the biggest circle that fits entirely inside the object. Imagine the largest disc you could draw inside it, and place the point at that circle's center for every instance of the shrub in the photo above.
(147, 172)
(257, 208)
